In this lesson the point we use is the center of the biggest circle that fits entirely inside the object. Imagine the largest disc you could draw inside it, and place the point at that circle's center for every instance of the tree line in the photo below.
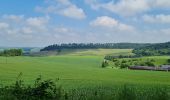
(11, 52)
(153, 50)
(94, 46)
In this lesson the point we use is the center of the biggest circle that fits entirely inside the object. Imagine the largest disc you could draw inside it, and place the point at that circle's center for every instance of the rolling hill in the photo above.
(153, 50)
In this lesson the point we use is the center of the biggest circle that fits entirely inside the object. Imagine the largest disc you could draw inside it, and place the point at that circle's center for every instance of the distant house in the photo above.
(165, 67)
(162, 68)
(142, 68)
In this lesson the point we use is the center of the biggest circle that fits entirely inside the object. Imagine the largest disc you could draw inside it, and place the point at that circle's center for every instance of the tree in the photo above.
(105, 64)
(169, 61)
(148, 63)
(124, 65)
(12, 52)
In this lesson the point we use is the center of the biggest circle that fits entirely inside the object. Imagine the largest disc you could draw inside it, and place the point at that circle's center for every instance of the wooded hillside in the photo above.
(94, 46)
(153, 50)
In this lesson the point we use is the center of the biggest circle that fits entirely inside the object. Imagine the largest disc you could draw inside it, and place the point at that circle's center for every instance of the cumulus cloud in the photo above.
(161, 18)
(15, 29)
(36, 31)
(104, 21)
(161, 3)
(15, 18)
(129, 7)
(64, 8)
(3, 25)
(37, 21)
(111, 23)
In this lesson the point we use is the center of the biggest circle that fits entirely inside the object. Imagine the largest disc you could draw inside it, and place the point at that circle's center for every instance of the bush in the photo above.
(105, 64)
(169, 61)
(42, 90)
(148, 63)
(124, 61)
(124, 65)
(12, 52)
(114, 60)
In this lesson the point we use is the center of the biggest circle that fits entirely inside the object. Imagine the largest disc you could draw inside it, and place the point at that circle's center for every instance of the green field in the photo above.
(76, 71)
(95, 52)
(82, 77)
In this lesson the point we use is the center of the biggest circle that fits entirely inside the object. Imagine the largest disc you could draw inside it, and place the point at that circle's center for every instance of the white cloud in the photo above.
(38, 24)
(73, 12)
(61, 30)
(26, 30)
(16, 18)
(4, 25)
(104, 21)
(111, 23)
(162, 3)
(64, 8)
(37, 21)
(164, 19)
(122, 7)
(129, 7)
(64, 2)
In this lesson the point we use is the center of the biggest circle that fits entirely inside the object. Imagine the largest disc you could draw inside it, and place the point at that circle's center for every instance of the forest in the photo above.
(11, 52)
(59, 47)
(153, 50)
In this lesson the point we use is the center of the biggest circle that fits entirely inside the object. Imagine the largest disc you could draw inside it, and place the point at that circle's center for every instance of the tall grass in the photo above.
(50, 90)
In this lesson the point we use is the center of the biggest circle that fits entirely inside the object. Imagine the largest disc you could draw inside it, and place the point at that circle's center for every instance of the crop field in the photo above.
(96, 52)
(75, 71)
(84, 78)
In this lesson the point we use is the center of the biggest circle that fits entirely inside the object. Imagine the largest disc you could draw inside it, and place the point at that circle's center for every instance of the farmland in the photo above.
(75, 69)
(81, 70)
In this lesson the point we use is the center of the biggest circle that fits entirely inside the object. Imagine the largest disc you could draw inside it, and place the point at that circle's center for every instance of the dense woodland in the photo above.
(11, 52)
(94, 46)
(153, 50)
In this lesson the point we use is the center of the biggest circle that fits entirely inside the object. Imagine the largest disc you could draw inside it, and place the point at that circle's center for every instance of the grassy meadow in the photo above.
(82, 75)
(75, 70)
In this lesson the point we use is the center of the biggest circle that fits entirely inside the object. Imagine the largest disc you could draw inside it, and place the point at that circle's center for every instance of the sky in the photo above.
(38, 23)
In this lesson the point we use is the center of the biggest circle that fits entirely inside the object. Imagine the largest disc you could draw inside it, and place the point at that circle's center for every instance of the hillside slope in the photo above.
(59, 47)
(154, 49)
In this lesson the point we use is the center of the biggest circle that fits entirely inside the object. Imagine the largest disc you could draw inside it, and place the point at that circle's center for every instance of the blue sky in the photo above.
(43, 22)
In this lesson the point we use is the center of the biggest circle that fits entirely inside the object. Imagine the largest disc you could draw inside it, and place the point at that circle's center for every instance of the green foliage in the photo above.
(105, 64)
(47, 90)
(168, 61)
(153, 50)
(142, 61)
(127, 93)
(93, 46)
(124, 65)
(42, 90)
(148, 63)
(11, 52)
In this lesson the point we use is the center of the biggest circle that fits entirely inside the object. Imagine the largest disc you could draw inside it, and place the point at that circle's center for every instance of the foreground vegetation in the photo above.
(50, 90)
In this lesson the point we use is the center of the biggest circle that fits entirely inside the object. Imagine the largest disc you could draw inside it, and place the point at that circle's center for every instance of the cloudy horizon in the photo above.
(38, 23)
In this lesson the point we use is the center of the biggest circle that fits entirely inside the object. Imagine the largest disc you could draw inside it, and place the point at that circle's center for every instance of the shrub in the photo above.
(169, 61)
(124, 65)
(114, 60)
(105, 64)
(124, 61)
(42, 90)
(148, 63)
